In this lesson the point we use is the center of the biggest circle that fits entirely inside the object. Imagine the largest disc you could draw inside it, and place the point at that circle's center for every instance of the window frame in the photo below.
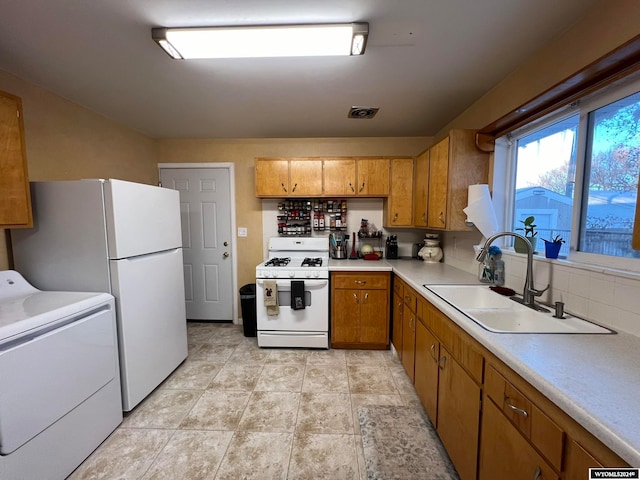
(584, 106)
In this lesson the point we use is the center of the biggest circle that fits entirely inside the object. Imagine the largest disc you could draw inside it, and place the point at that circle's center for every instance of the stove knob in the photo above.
(316, 274)
(292, 274)
(307, 274)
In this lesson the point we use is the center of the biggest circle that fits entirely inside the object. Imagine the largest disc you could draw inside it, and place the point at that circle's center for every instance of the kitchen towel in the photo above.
(297, 294)
(271, 297)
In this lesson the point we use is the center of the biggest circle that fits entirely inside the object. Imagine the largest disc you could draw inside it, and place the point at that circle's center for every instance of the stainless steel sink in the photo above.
(500, 314)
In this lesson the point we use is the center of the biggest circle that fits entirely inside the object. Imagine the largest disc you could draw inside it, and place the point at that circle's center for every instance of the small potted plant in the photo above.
(528, 227)
(552, 247)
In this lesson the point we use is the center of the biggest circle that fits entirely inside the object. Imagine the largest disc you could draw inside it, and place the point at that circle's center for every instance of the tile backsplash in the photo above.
(608, 297)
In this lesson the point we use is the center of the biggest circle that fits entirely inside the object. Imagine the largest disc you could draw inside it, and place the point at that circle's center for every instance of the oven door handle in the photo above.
(286, 283)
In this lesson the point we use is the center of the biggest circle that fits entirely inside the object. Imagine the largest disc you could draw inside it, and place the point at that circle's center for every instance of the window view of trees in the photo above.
(546, 161)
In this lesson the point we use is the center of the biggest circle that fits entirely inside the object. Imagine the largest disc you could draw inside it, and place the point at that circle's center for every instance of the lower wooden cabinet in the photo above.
(360, 310)
(493, 424)
(505, 453)
(426, 370)
(458, 415)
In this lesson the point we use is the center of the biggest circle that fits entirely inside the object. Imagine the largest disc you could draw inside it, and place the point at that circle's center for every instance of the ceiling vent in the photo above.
(362, 112)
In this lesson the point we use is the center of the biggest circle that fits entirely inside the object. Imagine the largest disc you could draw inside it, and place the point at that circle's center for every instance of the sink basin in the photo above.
(500, 314)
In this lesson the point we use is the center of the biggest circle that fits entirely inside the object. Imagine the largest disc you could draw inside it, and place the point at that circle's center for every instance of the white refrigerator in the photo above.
(125, 239)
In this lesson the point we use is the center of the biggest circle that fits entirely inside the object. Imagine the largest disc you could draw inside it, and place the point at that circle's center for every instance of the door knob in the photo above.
(225, 254)
(226, 244)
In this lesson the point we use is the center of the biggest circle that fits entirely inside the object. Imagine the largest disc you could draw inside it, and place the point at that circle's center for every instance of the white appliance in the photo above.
(60, 394)
(118, 237)
(295, 259)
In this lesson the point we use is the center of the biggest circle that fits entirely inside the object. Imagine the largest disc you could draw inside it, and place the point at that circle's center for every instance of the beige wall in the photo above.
(607, 25)
(242, 153)
(67, 142)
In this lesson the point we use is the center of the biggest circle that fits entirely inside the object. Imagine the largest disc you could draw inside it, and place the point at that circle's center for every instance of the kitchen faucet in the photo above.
(529, 293)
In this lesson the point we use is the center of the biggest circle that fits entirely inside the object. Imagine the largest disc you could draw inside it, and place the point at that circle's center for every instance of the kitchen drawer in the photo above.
(534, 425)
(359, 280)
(410, 298)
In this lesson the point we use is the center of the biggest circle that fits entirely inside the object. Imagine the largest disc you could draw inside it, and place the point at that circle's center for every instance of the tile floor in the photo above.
(235, 411)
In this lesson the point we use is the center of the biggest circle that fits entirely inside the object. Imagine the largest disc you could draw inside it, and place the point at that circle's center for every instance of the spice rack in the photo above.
(294, 218)
(329, 215)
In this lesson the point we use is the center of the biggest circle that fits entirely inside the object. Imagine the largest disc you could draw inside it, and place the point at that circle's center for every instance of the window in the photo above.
(576, 171)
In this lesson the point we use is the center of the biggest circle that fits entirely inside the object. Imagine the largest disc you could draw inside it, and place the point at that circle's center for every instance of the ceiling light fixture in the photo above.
(263, 41)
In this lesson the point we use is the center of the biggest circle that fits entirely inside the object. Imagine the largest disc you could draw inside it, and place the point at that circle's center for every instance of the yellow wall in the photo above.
(242, 152)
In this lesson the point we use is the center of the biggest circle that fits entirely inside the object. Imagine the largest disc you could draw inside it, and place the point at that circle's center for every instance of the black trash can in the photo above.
(248, 305)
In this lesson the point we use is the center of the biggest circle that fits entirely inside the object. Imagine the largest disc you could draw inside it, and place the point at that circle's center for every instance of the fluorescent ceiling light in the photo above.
(269, 41)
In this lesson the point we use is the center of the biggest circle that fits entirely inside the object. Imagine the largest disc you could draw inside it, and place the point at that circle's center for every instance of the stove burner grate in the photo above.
(312, 262)
(277, 262)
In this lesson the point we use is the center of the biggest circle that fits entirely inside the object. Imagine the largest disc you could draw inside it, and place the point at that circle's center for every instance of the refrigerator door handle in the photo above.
(146, 256)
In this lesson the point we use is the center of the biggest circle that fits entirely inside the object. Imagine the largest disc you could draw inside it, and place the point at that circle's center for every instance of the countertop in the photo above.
(595, 379)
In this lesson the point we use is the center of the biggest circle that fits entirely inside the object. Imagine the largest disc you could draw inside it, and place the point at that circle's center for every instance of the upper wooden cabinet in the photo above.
(449, 166)
(397, 206)
(339, 176)
(421, 189)
(278, 177)
(373, 177)
(322, 177)
(15, 199)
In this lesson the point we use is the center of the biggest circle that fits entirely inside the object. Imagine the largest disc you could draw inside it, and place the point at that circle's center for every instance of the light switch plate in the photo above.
(242, 231)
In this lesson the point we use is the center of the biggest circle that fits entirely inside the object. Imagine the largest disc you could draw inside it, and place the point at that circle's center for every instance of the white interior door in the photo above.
(205, 206)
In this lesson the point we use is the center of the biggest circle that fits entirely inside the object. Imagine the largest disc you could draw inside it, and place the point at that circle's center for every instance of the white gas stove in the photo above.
(297, 270)
(299, 257)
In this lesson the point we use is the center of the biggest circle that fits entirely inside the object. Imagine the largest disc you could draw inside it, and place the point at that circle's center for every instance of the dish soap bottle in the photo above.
(498, 274)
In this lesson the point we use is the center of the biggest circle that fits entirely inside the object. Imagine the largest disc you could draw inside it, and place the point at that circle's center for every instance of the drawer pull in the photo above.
(360, 282)
(442, 362)
(537, 474)
(519, 411)
(432, 350)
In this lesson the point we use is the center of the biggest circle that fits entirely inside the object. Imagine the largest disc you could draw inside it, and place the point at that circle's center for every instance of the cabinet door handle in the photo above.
(519, 411)
(366, 297)
(412, 324)
(361, 188)
(441, 217)
(407, 298)
(537, 474)
(432, 350)
(424, 217)
(442, 362)
(395, 217)
(360, 282)
(355, 297)
(351, 187)
(284, 188)
(294, 188)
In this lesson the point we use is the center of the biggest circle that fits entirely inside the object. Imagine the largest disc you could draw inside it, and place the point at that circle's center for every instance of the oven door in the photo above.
(313, 318)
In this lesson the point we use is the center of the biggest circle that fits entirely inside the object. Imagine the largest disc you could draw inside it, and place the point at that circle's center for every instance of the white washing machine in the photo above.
(59, 378)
